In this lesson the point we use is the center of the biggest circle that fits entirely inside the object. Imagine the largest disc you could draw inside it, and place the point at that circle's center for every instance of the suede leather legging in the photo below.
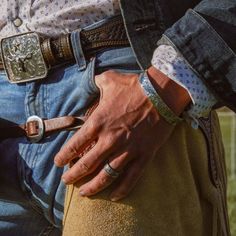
(177, 195)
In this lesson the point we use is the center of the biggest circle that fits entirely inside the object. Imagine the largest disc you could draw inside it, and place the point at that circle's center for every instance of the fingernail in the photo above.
(82, 193)
(57, 163)
(115, 198)
(64, 180)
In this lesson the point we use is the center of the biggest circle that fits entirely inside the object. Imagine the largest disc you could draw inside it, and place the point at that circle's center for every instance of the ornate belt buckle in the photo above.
(22, 58)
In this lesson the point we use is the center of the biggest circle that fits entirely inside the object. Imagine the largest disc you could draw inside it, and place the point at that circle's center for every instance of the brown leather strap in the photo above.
(111, 34)
(31, 129)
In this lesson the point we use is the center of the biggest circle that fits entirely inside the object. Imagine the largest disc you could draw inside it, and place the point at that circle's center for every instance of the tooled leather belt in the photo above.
(27, 57)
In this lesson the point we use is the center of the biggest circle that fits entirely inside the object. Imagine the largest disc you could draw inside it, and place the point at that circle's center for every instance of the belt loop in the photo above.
(77, 49)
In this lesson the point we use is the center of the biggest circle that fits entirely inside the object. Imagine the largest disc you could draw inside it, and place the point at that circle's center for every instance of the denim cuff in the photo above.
(207, 53)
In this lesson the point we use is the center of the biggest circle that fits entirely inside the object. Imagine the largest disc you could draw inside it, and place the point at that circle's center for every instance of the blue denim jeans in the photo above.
(31, 191)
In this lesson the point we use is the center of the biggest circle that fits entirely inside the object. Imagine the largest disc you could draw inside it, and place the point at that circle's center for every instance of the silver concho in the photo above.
(22, 58)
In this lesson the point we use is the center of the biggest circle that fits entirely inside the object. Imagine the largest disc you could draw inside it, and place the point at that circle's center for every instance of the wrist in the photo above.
(174, 95)
(162, 108)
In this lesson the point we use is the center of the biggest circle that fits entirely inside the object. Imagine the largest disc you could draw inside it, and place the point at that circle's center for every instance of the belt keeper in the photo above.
(66, 47)
(47, 52)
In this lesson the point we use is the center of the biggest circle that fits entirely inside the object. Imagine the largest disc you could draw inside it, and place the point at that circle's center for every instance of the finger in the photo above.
(97, 184)
(89, 162)
(78, 142)
(103, 179)
(129, 180)
(120, 161)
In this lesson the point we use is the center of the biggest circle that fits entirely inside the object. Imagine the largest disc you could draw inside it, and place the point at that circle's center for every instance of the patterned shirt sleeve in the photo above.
(167, 60)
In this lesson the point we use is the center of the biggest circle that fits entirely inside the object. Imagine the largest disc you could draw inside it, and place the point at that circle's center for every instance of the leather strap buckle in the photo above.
(22, 58)
(35, 129)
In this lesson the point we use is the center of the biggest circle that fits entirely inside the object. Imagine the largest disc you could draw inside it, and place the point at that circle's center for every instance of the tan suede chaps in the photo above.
(182, 193)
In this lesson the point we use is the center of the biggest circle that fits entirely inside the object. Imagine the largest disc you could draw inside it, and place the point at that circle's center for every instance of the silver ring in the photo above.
(110, 171)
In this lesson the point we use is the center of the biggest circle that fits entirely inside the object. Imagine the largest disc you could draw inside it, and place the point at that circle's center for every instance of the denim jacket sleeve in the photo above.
(206, 37)
(204, 32)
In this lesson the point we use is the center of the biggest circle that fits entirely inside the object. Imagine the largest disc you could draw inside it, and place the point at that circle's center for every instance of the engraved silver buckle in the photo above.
(22, 58)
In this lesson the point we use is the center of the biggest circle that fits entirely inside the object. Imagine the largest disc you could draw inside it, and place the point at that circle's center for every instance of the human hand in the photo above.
(128, 131)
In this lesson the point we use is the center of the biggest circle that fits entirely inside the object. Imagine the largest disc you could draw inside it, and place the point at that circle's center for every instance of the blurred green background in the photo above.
(228, 127)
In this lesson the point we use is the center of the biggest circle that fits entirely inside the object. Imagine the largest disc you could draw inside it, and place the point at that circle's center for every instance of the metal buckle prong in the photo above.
(36, 137)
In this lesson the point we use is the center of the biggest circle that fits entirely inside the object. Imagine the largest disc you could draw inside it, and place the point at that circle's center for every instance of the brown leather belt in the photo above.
(110, 34)
(57, 51)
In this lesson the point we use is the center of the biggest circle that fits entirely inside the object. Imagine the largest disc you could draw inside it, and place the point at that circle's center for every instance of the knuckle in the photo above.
(71, 150)
(104, 180)
(90, 190)
(93, 125)
(109, 140)
(86, 129)
(108, 73)
(93, 188)
(71, 177)
(59, 159)
(83, 167)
